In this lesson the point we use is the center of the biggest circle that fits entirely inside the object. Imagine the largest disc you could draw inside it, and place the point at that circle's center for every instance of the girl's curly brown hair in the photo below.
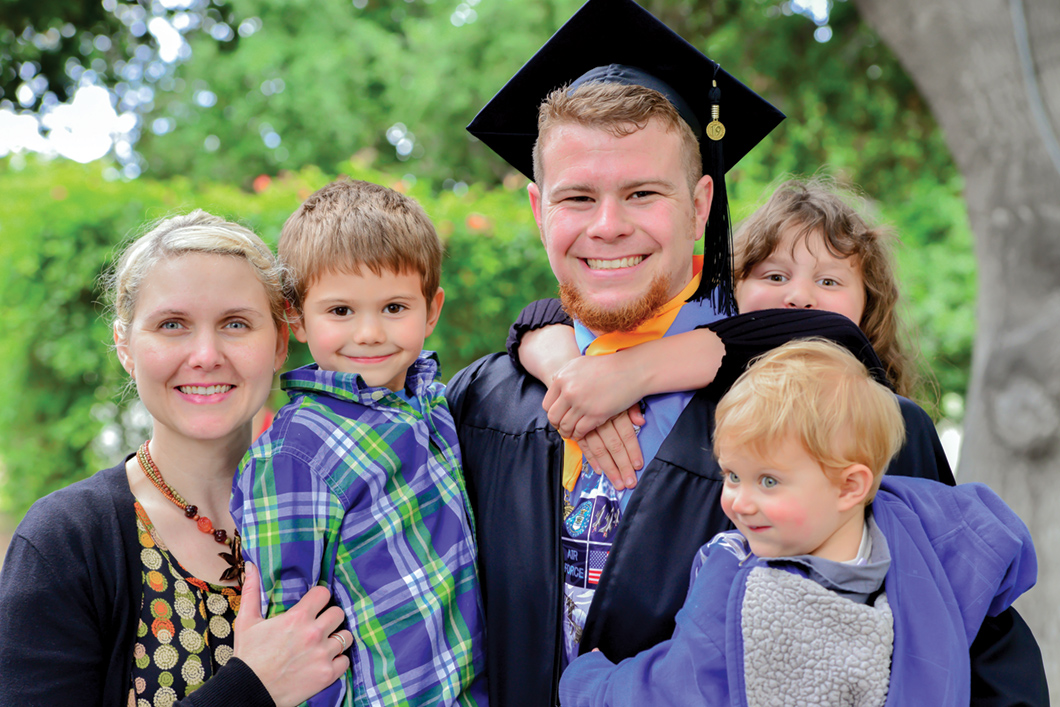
(818, 205)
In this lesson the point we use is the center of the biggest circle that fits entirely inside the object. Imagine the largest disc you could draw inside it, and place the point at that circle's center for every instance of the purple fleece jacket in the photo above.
(958, 554)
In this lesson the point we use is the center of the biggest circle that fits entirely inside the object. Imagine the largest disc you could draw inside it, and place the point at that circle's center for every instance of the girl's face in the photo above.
(202, 347)
(806, 276)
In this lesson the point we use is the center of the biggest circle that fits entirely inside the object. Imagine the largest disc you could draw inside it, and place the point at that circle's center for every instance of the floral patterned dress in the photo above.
(185, 631)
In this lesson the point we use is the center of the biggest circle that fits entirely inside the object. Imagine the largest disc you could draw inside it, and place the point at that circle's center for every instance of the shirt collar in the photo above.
(350, 386)
(857, 581)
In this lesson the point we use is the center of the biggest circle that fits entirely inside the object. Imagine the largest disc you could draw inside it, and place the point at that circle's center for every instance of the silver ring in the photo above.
(340, 639)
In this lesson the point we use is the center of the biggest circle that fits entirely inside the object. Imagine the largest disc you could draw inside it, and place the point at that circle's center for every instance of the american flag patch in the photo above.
(597, 558)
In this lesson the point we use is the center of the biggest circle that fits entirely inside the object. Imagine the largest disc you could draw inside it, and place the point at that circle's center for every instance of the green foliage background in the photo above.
(348, 73)
(61, 225)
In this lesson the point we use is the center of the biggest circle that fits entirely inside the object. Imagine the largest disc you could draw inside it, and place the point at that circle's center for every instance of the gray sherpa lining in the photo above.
(806, 645)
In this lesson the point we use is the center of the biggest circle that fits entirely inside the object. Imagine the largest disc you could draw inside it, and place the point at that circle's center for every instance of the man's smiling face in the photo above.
(618, 220)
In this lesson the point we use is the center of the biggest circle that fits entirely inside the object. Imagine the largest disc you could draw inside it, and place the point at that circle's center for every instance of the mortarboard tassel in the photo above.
(717, 248)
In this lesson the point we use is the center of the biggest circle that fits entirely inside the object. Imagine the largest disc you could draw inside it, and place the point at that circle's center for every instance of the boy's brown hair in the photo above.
(818, 205)
(350, 224)
(619, 109)
(819, 392)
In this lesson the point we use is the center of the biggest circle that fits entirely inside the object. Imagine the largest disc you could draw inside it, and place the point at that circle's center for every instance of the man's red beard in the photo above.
(625, 318)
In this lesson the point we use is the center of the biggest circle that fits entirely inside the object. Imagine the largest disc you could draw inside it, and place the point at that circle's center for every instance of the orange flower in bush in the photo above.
(477, 222)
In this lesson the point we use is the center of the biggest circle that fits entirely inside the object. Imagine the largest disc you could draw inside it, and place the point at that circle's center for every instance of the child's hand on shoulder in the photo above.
(588, 392)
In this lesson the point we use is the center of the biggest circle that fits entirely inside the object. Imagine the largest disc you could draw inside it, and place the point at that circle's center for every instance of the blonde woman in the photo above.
(124, 588)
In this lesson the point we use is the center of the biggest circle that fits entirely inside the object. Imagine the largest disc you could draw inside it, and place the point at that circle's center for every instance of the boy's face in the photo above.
(369, 324)
(807, 276)
(786, 505)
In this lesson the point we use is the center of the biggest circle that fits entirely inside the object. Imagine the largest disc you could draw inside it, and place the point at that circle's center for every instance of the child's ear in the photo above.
(855, 484)
(297, 324)
(434, 310)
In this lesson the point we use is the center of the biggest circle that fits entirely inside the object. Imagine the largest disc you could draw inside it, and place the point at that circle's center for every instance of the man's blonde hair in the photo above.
(820, 393)
(619, 109)
(351, 224)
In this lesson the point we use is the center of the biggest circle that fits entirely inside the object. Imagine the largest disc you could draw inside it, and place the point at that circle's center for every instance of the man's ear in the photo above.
(434, 310)
(702, 196)
(122, 347)
(855, 484)
(534, 192)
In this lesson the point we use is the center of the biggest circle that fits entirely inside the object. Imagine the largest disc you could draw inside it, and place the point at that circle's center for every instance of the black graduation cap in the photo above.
(619, 41)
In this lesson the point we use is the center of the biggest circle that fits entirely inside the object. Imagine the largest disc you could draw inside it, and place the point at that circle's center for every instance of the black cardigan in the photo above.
(70, 594)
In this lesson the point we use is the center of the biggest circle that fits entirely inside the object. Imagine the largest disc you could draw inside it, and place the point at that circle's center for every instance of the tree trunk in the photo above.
(990, 70)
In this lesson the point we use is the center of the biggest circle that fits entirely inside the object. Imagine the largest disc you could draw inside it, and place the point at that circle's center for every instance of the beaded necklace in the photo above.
(205, 525)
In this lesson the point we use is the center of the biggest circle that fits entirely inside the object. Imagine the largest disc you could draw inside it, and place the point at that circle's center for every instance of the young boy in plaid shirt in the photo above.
(357, 484)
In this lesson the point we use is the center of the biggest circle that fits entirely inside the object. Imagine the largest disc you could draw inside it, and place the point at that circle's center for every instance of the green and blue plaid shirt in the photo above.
(360, 489)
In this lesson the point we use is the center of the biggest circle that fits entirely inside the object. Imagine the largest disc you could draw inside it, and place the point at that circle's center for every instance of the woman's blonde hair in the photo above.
(819, 205)
(196, 232)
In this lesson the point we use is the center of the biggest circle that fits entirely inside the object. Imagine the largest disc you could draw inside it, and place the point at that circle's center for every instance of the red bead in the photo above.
(204, 524)
(220, 535)
(191, 511)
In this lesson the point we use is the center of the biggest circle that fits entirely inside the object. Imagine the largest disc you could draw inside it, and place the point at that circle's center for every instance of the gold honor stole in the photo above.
(652, 329)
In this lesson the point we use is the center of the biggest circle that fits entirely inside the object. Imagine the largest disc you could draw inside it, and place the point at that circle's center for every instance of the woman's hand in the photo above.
(293, 654)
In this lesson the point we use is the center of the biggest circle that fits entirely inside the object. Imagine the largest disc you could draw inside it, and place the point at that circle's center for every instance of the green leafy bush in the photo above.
(61, 225)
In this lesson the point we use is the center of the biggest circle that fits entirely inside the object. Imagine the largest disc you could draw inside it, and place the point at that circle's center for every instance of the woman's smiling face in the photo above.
(202, 346)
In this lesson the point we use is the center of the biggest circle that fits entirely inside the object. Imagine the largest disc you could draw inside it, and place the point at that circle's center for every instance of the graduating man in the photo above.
(626, 131)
